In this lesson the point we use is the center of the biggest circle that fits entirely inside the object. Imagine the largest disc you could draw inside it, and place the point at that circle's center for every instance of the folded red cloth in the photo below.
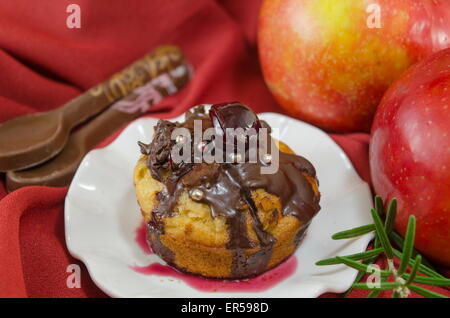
(44, 64)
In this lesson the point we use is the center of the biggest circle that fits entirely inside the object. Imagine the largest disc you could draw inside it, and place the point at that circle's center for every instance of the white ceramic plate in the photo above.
(101, 217)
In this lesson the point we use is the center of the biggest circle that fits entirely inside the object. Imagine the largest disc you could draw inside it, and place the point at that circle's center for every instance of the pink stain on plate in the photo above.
(259, 283)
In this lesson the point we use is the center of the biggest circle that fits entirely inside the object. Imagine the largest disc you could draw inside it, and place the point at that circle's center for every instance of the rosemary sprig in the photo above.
(402, 282)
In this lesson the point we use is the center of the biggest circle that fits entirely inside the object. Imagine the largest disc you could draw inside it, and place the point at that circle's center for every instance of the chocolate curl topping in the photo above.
(159, 149)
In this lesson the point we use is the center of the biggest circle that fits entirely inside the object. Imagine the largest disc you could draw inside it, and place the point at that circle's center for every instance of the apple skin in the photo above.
(324, 65)
(410, 153)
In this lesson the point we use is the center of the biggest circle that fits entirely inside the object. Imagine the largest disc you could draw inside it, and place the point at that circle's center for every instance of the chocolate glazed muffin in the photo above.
(223, 220)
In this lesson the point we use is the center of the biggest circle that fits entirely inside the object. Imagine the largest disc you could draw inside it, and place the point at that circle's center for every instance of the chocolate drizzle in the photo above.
(227, 189)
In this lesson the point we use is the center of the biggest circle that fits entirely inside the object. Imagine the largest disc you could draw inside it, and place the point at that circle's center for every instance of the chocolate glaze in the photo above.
(227, 190)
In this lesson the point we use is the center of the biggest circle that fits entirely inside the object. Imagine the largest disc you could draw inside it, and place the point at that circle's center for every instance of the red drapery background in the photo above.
(43, 64)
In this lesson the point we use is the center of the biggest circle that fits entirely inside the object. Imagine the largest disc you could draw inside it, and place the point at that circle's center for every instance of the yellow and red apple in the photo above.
(329, 62)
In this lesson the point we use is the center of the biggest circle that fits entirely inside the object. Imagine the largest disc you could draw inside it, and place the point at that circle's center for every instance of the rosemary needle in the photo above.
(383, 286)
(357, 231)
(425, 292)
(408, 246)
(356, 257)
(382, 235)
(414, 269)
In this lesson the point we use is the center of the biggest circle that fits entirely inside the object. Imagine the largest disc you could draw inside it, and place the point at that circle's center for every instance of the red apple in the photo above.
(410, 152)
(328, 63)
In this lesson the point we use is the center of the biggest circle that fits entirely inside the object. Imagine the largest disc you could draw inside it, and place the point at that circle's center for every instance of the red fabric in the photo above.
(44, 64)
